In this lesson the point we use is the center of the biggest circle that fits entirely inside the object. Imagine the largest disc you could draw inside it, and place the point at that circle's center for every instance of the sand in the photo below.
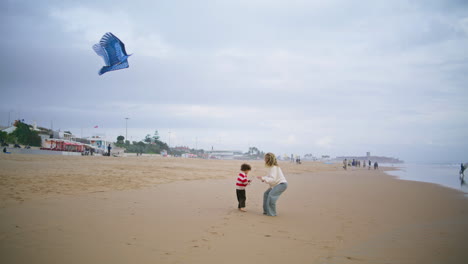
(173, 210)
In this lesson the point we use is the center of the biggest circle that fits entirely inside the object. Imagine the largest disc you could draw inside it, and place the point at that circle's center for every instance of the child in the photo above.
(241, 183)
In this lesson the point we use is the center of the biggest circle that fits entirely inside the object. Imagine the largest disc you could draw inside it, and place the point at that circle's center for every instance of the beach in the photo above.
(65, 209)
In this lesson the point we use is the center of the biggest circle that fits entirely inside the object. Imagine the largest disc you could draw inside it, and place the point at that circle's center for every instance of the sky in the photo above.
(325, 77)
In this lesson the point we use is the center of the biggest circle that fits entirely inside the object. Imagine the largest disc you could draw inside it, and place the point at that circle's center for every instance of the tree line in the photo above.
(23, 134)
(150, 145)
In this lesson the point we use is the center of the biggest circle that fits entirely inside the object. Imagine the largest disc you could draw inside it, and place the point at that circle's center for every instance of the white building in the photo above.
(225, 154)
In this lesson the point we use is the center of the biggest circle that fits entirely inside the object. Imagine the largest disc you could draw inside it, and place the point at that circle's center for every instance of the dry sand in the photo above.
(171, 210)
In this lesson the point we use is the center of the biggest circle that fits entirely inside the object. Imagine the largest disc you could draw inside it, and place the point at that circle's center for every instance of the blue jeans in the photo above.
(271, 196)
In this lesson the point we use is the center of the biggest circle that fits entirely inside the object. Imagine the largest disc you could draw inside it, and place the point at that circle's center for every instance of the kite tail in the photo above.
(122, 65)
(104, 70)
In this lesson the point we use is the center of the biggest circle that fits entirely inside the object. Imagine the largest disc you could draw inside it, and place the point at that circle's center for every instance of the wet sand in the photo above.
(173, 210)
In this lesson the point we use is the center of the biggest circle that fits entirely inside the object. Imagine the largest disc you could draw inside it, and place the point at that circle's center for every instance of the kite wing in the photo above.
(101, 52)
(112, 50)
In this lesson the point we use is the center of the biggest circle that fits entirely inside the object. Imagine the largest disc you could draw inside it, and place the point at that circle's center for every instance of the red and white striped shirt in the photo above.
(242, 181)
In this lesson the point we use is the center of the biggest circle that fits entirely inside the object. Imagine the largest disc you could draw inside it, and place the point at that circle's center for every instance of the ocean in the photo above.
(445, 174)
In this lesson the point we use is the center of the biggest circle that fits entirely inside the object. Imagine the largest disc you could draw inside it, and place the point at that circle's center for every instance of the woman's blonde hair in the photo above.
(270, 160)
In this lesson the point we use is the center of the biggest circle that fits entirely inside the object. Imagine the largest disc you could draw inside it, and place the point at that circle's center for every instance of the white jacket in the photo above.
(275, 176)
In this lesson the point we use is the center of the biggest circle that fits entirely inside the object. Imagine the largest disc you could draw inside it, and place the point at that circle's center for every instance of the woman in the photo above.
(277, 182)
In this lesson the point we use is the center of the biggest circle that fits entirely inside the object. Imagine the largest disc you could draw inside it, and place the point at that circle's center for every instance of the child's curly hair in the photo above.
(245, 167)
(270, 160)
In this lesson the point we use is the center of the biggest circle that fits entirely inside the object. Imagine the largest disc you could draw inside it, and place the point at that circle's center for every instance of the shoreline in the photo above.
(327, 215)
(445, 175)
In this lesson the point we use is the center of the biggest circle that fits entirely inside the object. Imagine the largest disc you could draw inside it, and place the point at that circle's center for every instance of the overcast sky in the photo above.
(331, 77)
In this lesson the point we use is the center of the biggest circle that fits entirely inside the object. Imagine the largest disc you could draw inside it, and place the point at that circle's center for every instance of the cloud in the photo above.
(91, 24)
(290, 140)
(463, 24)
(325, 142)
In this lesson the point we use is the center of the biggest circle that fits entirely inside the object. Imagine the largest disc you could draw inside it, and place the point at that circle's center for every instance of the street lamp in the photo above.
(126, 119)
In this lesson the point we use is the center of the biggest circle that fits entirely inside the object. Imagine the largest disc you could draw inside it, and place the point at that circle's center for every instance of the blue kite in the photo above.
(112, 50)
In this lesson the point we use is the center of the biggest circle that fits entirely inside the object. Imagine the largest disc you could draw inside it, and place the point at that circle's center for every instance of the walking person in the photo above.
(277, 182)
(462, 170)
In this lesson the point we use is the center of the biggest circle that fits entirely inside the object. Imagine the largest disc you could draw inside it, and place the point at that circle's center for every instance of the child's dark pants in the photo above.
(241, 198)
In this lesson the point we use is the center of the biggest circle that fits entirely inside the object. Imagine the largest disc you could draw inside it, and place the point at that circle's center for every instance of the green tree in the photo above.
(120, 140)
(255, 153)
(153, 149)
(156, 136)
(148, 138)
(150, 144)
(7, 138)
(3, 137)
(24, 135)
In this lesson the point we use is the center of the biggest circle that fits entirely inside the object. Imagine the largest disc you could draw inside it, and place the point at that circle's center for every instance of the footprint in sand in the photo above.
(353, 258)
(201, 244)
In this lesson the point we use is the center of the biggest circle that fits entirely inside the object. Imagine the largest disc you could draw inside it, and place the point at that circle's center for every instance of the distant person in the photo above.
(376, 165)
(242, 182)
(462, 169)
(277, 182)
(370, 164)
(109, 150)
(345, 164)
(5, 151)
